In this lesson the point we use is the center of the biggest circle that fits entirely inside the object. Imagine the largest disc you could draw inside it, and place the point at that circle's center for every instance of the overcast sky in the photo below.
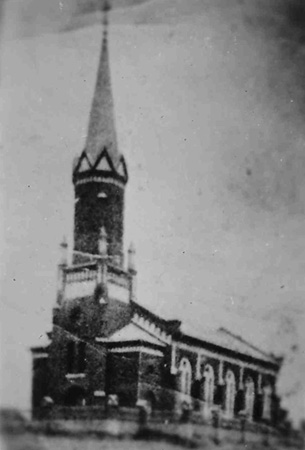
(210, 110)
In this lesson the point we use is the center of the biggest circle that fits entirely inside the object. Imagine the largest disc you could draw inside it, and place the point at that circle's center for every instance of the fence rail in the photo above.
(123, 421)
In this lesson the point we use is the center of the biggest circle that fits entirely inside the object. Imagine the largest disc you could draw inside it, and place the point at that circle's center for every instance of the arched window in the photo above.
(208, 385)
(230, 393)
(267, 391)
(249, 397)
(185, 369)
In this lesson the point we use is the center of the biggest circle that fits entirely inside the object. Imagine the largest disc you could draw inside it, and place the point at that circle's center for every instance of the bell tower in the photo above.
(100, 173)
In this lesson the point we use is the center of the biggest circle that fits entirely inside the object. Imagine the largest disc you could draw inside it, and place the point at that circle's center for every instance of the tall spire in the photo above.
(100, 173)
(101, 130)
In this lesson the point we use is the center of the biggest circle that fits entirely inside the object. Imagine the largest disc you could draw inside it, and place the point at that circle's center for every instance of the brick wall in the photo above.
(123, 376)
(150, 378)
(40, 381)
(79, 321)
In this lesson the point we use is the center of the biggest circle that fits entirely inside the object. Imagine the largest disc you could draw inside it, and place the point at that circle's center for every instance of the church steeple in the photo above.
(101, 130)
(100, 173)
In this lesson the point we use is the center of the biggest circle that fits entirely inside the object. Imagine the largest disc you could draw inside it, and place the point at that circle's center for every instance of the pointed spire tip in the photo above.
(106, 6)
(64, 241)
(101, 129)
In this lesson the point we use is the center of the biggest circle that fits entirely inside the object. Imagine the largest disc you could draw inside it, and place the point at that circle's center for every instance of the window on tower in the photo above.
(82, 357)
(75, 315)
(76, 357)
(70, 356)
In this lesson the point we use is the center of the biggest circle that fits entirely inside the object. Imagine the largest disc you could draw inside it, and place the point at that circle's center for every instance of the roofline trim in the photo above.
(137, 349)
(204, 352)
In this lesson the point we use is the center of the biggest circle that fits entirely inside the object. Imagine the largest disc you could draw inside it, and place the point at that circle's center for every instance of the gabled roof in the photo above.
(223, 338)
(207, 336)
(244, 346)
(133, 332)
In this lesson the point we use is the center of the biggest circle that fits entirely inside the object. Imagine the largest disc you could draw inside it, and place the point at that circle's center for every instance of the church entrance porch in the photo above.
(75, 396)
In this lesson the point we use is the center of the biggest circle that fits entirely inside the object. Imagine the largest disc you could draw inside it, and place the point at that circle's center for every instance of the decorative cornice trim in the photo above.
(101, 339)
(124, 165)
(79, 163)
(217, 356)
(193, 342)
(137, 349)
(104, 154)
(150, 327)
(100, 179)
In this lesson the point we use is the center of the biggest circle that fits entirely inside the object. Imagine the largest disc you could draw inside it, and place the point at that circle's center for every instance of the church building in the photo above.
(104, 344)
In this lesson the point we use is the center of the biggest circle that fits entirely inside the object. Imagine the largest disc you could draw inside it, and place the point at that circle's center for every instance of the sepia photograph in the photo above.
(152, 228)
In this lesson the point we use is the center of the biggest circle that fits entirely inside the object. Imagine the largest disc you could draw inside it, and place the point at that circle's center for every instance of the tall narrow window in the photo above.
(230, 394)
(249, 397)
(81, 357)
(185, 369)
(267, 391)
(70, 356)
(209, 385)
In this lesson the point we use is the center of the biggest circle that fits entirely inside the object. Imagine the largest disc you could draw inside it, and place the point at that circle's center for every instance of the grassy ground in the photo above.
(15, 435)
(29, 441)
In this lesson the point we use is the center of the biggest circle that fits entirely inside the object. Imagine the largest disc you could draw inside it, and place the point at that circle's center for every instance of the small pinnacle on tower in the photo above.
(131, 258)
(105, 8)
(64, 252)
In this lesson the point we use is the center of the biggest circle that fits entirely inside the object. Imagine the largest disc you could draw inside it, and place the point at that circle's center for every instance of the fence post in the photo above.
(143, 419)
(216, 424)
(266, 435)
(185, 413)
(112, 406)
(243, 417)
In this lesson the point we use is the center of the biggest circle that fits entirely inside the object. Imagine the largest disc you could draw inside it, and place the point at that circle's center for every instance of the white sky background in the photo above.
(210, 117)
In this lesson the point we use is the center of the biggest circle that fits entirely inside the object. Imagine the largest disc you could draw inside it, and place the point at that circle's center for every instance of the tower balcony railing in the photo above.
(81, 274)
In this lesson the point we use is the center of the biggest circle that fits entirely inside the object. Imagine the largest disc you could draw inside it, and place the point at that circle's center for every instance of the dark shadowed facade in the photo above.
(103, 342)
